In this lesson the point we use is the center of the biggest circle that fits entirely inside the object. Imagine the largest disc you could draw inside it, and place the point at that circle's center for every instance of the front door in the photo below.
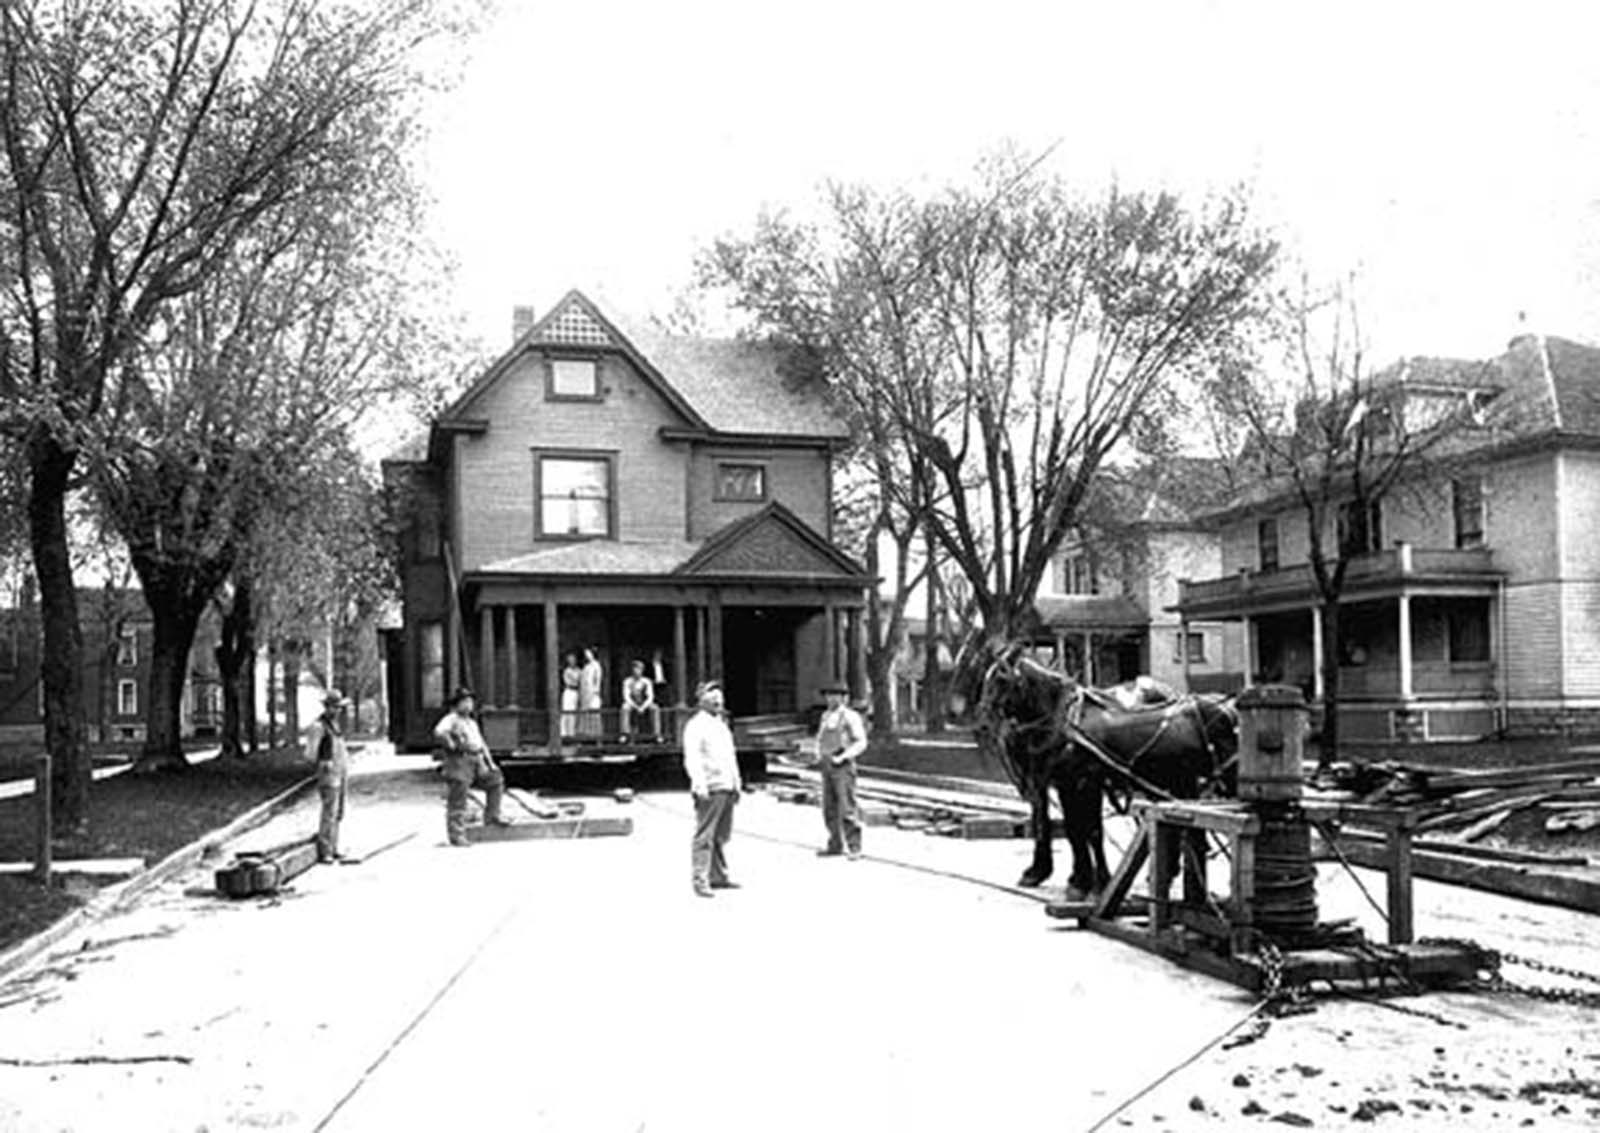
(758, 660)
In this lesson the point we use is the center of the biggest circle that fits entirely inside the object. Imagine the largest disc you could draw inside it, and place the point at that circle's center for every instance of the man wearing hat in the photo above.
(841, 737)
(325, 747)
(712, 763)
(466, 763)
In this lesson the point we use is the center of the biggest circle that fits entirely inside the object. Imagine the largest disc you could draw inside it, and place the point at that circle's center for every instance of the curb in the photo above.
(114, 898)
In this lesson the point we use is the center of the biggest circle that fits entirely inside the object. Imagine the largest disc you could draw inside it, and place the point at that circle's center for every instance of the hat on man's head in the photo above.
(461, 694)
(333, 699)
(706, 686)
(836, 686)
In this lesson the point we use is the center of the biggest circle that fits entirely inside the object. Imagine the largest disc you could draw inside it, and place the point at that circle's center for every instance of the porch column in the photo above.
(1183, 650)
(552, 677)
(699, 644)
(486, 648)
(1249, 651)
(714, 631)
(1317, 675)
(512, 683)
(680, 658)
(454, 669)
(1061, 651)
(858, 655)
(1405, 647)
(830, 664)
(1088, 658)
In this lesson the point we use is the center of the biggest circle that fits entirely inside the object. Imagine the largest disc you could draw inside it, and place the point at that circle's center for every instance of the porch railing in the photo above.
(1380, 566)
(615, 728)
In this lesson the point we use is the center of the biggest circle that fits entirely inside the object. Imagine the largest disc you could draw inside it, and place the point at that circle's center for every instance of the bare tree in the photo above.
(138, 144)
(1019, 336)
(1316, 425)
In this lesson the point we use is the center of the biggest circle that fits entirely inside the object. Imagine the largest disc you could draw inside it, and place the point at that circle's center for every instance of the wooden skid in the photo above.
(1528, 882)
(577, 827)
(1390, 966)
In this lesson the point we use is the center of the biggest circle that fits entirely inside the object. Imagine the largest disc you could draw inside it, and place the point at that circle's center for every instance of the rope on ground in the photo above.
(1175, 1069)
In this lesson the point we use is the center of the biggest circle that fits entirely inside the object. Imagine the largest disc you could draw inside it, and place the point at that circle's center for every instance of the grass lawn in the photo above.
(143, 816)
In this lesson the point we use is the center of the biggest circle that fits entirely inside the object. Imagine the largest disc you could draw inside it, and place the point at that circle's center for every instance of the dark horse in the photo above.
(1051, 731)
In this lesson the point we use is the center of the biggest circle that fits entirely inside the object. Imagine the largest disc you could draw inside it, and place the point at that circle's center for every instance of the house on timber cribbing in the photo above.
(651, 497)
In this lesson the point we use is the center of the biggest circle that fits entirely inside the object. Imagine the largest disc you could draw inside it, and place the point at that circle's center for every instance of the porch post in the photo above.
(512, 692)
(699, 644)
(830, 665)
(552, 677)
(1088, 658)
(486, 649)
(1317, 675)
(1249, 651)
(1183, 650)
(680, 658)
(715, 632)
(1405, 647)
(858, 655)
(1061, 651)
(453, 633)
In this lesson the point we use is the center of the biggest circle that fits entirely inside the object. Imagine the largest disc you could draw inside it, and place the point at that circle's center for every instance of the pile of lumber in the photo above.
(1464, 806)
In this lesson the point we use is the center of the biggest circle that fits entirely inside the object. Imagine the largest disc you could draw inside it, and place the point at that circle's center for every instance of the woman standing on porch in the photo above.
(589, 680)
(570, 677)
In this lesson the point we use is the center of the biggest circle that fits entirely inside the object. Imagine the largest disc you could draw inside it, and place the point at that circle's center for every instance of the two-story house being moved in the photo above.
(650, 498)
(1472, 605)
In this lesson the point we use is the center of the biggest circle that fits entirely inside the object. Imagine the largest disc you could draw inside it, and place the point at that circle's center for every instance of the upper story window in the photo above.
(577, 378)
(741, 481)
(1267, 544)
(127, 698)
(1466, 500)
(1359, 529)
(128, 647)
(1077, 575)
(575, 495)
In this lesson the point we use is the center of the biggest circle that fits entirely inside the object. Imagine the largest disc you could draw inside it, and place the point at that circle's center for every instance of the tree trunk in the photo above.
(933, 702)
(1328, 743)
(235, 652)
(291, 691)
(273, 708)
(177, 616)
(880, 653)
(61, 667)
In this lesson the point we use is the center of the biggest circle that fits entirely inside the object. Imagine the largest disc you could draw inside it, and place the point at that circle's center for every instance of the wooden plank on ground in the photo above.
(92, 867)
(1527, 882)
(599, 826)
(1466, 850)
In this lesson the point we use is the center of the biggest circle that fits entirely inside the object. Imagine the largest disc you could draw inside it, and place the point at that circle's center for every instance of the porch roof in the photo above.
(1083, 612)
(599, 556)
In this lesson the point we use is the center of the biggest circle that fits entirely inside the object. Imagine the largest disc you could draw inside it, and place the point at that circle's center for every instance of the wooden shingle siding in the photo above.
(495, 471)
(1580, 619)
(1533, 644)
(1520, 519)
(796, 478)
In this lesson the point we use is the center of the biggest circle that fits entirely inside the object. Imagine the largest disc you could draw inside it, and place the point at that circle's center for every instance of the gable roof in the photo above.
(715, 385)
(773, 541)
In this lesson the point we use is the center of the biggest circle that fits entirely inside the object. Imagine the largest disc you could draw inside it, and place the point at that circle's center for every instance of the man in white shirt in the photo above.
(712, 764)
(841, 738)
(326, 748)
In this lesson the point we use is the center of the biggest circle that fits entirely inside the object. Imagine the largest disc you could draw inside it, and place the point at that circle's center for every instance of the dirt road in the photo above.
(578, 985)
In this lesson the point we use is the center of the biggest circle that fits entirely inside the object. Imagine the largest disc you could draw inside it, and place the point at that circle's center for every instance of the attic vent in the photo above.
(574, 326)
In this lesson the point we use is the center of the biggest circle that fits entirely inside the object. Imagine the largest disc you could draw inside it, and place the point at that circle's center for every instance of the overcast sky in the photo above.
(1449, 153)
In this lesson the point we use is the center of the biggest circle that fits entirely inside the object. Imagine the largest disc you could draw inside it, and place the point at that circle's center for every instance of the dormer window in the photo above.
(741, 482)
(575, 495)
(573, 379)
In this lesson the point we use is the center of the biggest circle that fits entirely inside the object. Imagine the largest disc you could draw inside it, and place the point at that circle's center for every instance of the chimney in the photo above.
(522, 320)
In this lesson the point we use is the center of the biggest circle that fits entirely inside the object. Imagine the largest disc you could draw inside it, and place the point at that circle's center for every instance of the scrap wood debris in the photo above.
(1470, 804)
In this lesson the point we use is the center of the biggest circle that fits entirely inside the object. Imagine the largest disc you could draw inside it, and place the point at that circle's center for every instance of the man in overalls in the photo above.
(841, 737)
(325, 747)
(466, 763)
